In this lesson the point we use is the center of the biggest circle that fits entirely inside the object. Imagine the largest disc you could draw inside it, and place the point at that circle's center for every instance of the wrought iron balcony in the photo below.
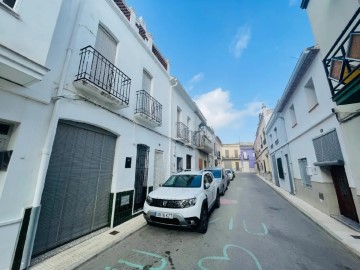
(204, 143)
(231, 157)
(342, 64)
(182, 132)
(192, 139)
(98, 77)
(148, 108)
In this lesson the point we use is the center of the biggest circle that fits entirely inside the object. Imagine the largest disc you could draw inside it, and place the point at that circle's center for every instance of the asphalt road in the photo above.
(254, 228)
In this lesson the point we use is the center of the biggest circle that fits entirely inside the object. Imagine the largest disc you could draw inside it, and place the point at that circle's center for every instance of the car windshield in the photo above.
(228, 171)
(216, 173)
(188, 181)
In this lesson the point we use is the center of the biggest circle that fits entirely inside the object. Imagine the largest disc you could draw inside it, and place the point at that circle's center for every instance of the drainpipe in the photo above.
(45, 155)
(289, 163)
(46, 152)
(170, 122)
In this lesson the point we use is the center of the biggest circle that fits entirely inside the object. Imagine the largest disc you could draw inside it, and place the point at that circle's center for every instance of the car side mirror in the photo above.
(207, 185)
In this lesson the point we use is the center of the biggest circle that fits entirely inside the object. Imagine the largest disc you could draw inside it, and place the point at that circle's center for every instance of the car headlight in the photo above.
(187, 203)
(148, 200)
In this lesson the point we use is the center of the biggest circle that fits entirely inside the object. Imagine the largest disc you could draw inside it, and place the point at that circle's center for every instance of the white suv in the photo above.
(185, 199)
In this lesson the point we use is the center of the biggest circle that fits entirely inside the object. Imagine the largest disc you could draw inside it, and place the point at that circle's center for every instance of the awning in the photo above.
(329, 163)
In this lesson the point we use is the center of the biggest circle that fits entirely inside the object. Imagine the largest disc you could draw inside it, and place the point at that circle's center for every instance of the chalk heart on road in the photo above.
(226, 257)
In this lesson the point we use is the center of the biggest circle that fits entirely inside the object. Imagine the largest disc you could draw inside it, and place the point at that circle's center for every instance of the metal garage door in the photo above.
(75, 200)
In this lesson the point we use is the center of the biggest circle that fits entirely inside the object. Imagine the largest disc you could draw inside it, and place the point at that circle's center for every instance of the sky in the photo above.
(232, 56)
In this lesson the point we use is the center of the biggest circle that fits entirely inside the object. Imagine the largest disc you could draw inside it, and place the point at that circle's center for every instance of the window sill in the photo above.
(313, 107)
(9, 10)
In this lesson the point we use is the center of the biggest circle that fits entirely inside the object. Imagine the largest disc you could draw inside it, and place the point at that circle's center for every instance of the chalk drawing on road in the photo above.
(142, 267)
(265, 230)
(226, 201)
(226, 257)
(231, 224)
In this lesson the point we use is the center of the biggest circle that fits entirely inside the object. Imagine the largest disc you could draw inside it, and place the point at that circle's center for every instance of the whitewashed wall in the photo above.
(328, 19)
(29, 30)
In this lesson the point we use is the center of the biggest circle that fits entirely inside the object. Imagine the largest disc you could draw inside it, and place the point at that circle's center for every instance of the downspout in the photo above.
(45, 155)
(46, 152)
(289, 163)
(170, 122)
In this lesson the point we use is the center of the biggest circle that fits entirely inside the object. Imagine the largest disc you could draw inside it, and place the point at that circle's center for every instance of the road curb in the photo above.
(78, 255)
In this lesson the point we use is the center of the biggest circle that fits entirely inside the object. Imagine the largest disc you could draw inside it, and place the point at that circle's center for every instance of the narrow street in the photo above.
(254, 228)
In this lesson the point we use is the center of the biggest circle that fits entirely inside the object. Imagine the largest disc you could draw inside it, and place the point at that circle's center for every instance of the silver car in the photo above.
(221, 178)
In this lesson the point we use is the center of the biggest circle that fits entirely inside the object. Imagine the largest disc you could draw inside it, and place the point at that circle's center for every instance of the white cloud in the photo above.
(195, 79)
(240, 41)
(292, 3)
(220, 112)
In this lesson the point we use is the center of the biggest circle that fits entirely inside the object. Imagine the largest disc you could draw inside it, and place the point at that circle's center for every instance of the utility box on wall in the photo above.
(310, 170)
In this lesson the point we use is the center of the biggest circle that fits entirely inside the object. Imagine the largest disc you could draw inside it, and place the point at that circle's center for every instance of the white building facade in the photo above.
(84, 142)
(26, 35)
(261, 144)
(336, 27)
(308, 148)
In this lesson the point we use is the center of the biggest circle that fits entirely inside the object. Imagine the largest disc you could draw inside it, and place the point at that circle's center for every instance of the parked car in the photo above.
(185, 199)
(221, 178)
(233, 173)
(230, 174)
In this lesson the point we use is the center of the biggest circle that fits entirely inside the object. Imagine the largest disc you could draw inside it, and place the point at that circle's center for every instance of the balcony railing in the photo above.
(94, 68)
(148, 107)
(182, 132)
(342, 64)
(204, 143)
(192, 138)
(231, 157)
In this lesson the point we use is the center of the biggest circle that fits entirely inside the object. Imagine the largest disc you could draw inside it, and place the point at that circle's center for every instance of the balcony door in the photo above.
(147, 107)
(104, 59)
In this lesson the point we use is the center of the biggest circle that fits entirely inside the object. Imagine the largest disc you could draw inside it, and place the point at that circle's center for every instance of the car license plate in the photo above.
(164, 215)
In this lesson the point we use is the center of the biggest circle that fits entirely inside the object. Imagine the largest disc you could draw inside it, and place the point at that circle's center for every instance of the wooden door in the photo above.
(343, 192)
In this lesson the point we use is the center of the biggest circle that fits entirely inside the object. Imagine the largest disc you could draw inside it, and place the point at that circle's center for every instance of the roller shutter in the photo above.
(75, 199)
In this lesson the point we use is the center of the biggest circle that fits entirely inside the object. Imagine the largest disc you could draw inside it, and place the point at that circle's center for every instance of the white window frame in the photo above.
(310, 94)
(6, 5)
(305, 178)
(292, 115)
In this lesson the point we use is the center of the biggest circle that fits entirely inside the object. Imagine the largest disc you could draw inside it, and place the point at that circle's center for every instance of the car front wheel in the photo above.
(217, 202)
(203, 223)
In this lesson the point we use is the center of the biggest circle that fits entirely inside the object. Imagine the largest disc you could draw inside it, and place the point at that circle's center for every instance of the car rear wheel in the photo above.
(203, 223)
